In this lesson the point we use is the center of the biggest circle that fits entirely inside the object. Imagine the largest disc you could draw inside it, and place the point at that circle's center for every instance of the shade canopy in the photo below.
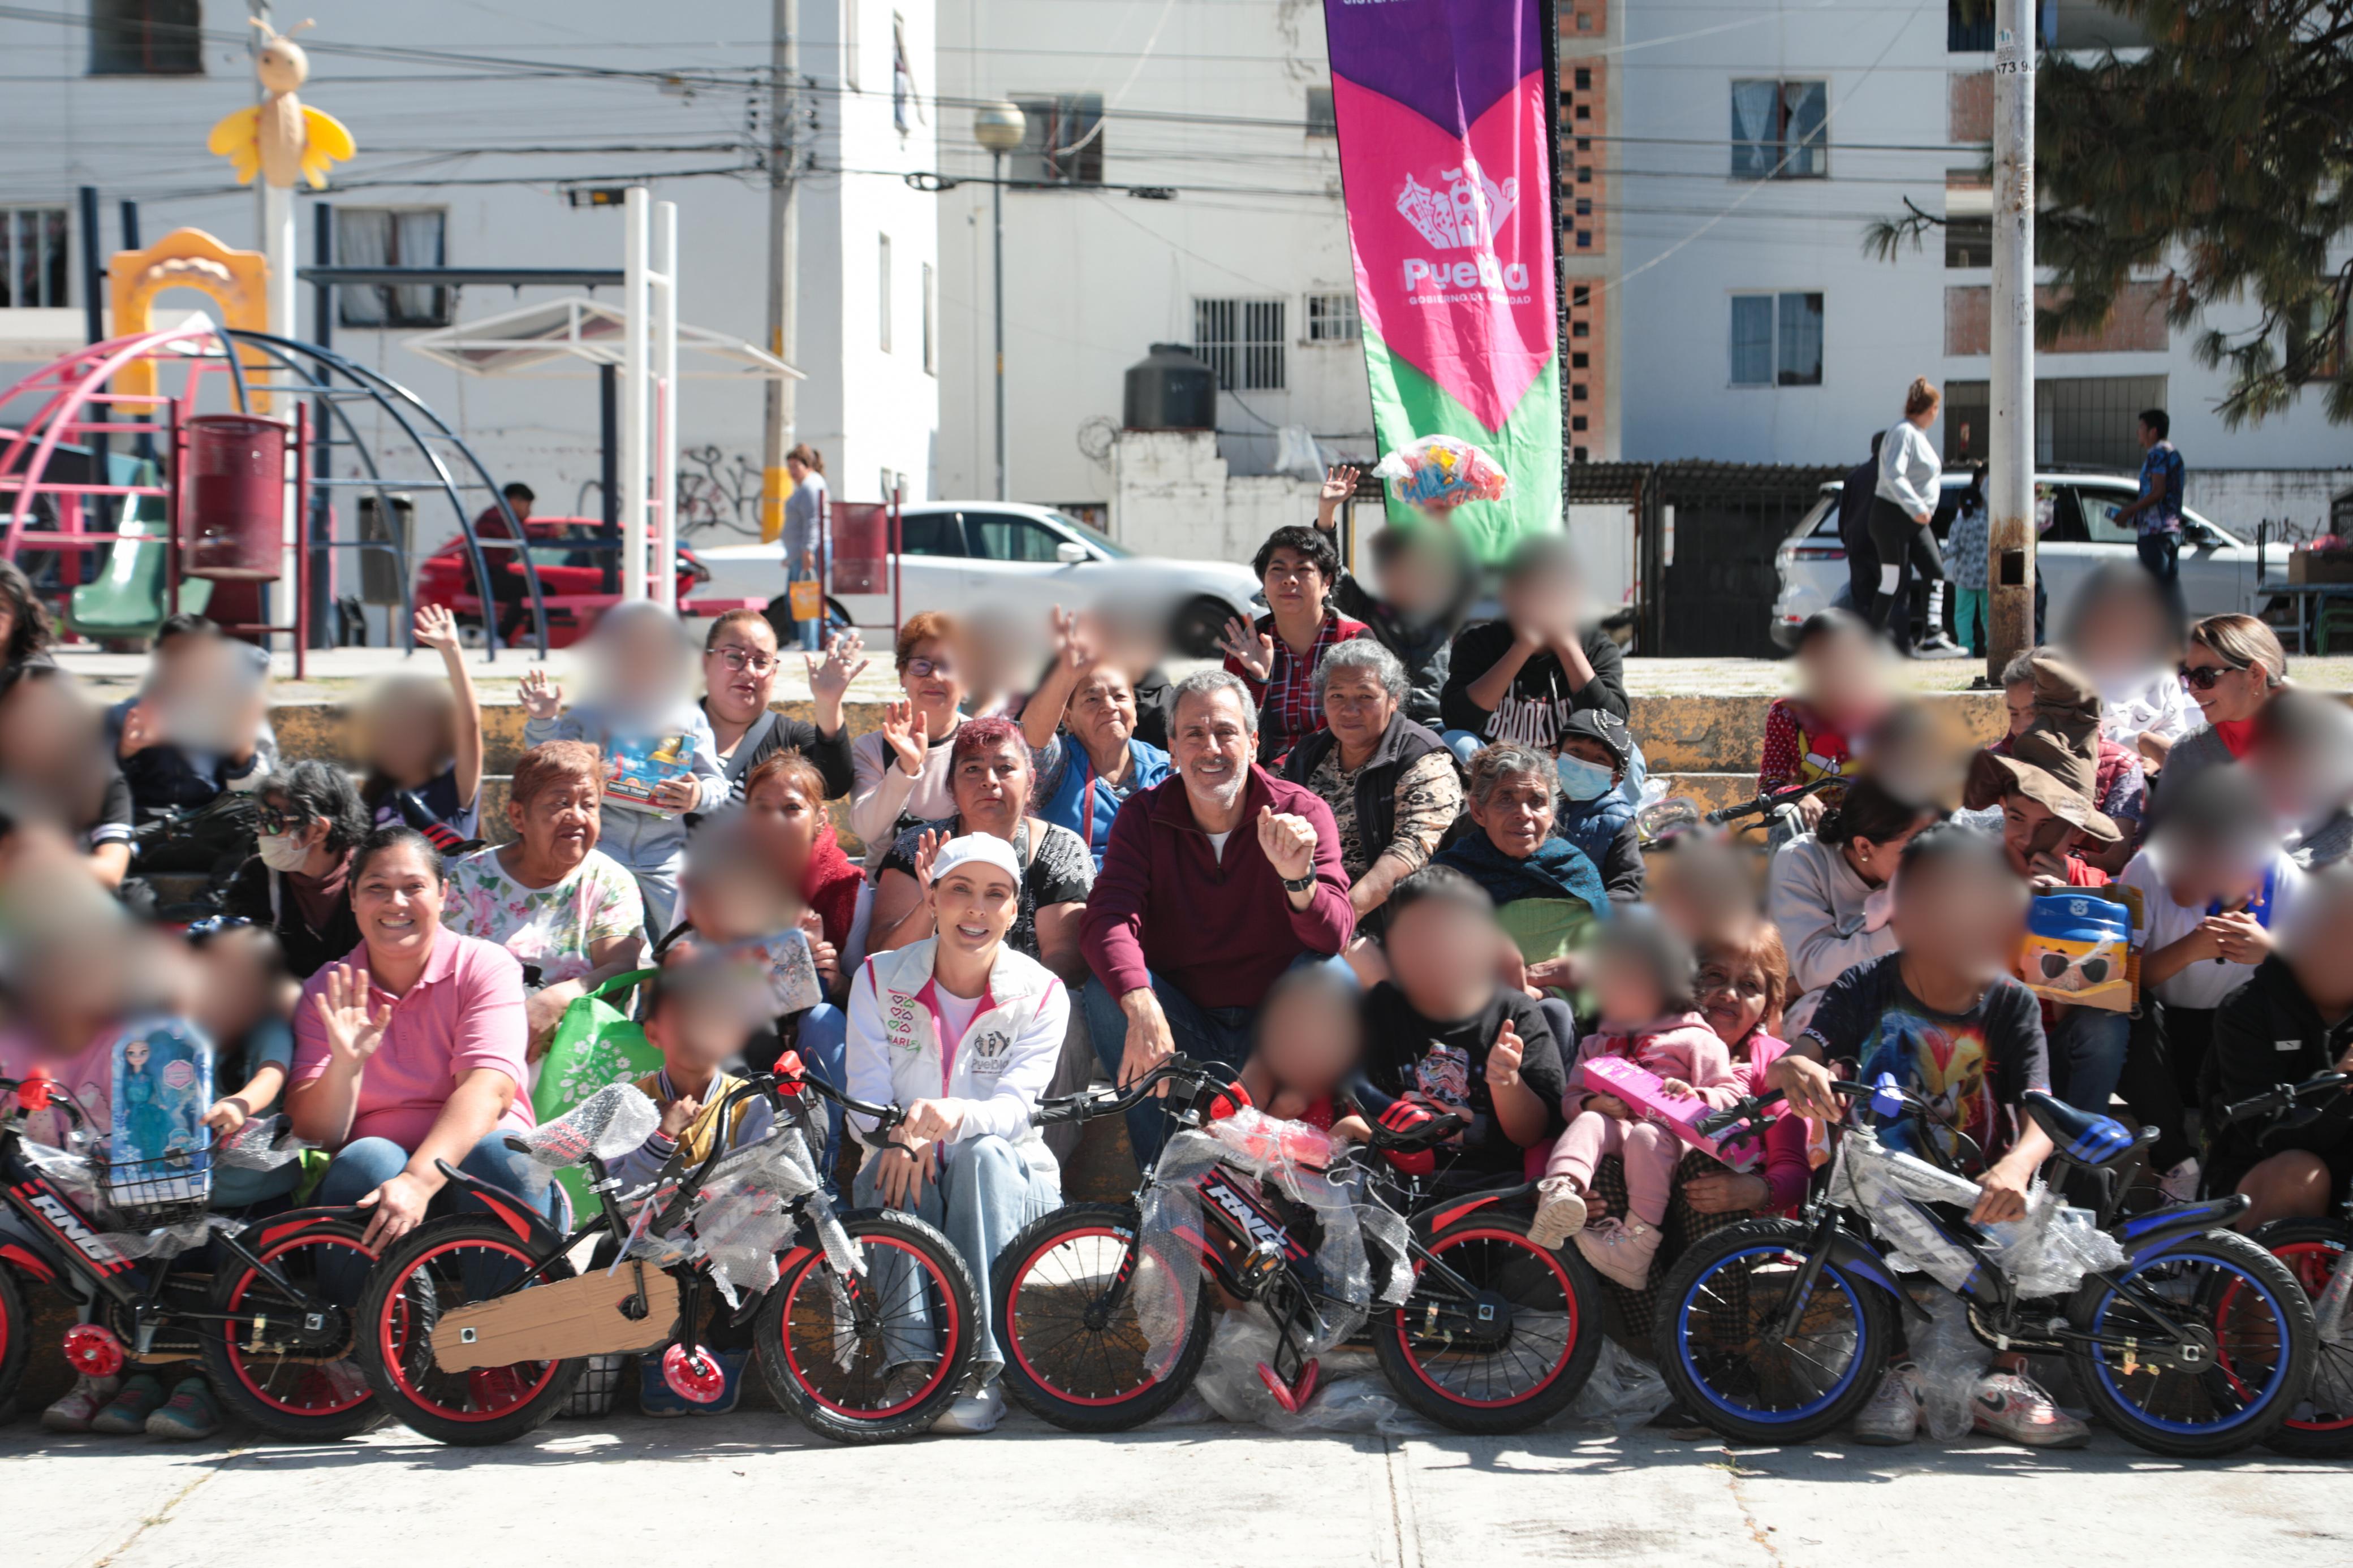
(555, 337)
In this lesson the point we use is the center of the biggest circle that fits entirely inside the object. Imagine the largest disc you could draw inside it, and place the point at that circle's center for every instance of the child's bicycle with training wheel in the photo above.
(270, 1325)
(2315, 1251)
(1493, 1333)
(2187, 1337)
(476, 1326)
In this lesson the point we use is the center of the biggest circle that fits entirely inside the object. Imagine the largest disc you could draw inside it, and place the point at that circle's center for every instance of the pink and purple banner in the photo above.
(1446, 138)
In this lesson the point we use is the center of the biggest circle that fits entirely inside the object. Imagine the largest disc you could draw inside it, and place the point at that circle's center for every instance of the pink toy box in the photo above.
(1638, 1088)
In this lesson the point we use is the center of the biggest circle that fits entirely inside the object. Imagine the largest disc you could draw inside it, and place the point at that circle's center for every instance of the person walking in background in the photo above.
(1855, 497)
(509, 589)
(807, 542)
(1903, 501)
(1965, 564)
(2156, 511)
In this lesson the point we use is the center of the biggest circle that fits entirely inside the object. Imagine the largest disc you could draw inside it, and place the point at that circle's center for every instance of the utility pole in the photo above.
(2010, 477)
(784, 262)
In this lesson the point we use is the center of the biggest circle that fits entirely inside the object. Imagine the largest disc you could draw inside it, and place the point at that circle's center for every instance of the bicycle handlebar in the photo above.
(2280, 1097)
(1767, 801)
(54, 1095)
(1087, 1105)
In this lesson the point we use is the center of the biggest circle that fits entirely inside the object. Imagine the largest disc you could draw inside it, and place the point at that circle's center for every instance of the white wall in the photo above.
(1174, 495)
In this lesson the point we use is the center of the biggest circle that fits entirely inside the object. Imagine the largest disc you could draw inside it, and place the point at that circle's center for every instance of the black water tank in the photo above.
(1169, 389)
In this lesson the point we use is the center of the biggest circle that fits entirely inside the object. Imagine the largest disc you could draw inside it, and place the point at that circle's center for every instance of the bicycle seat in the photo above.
(2088, 1139)
(1404, 1128)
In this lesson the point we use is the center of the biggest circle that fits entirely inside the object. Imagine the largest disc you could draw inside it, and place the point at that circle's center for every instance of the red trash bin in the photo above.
(234, 528)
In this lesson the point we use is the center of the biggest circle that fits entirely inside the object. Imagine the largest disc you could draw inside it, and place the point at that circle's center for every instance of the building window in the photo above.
(2301, 331)
(391, 236)
(1776, 339)
(1063, 144)
(33, 267)
(146, 37)
(1242, 340)
(882, 292)
(1323, 119)
(1968, 242)
(930, 320)
(2088, 422)
(1780, 131)
(850, 45)
(1332, 318)
(2060, 24)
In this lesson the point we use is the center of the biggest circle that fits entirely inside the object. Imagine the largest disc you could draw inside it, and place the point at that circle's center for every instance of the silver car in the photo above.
(2077, 514)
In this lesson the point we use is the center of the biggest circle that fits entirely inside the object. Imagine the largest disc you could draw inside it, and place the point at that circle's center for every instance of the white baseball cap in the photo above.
(983, 846)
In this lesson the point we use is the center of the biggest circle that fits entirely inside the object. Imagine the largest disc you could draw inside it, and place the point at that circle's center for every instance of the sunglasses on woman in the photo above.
(2201, 677)
(278, 820)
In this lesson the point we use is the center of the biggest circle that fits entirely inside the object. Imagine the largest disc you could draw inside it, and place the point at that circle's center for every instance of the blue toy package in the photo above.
(2078, 950)
(635, 768)
(158, 1150)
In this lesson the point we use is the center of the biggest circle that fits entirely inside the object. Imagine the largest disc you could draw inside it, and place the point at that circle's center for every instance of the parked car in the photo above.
(958, 554)
(571, 553)
(2082, 535)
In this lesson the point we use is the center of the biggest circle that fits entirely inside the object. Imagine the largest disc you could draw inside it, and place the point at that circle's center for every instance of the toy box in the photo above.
(634, 769)
(787, 968)
(158, 1150)
(1639, 1089)
(2078, 950)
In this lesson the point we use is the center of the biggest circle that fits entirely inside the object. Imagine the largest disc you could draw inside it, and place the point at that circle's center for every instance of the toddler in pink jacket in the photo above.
(1643, 980)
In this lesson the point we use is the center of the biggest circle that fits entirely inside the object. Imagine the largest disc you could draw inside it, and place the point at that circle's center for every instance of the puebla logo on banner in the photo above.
(1463, 210)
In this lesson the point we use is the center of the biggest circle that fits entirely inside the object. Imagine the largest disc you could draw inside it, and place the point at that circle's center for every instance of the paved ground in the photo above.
(755, 1486)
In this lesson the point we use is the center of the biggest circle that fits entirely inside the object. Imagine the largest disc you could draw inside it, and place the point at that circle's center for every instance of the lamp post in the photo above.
(999, 127)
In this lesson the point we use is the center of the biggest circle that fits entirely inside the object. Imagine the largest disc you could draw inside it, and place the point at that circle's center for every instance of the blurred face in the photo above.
(739, 670)
(1308, 1039)
(1547, 598)
(697, 1033)
(1625, 991)
(1733, 991)
(641, 662)
(1420, 580)
(1845, 677)
(1103, 709)
(8, 619)
(2195, 874)
(786, 822)
(397, 902)
(2125, 631)
(559, 825)
(2319, 944)
(1293, 583)
(1960, 917)
(932, 681)
(236, 989)
(992, 788)
(1518, 814)
(2020, 701)
(735, 902)
(1357, 706)
(2224, 692)
(975, 905)
(1443, 956)
(50, 740)
(408, 735)
(1209, 743)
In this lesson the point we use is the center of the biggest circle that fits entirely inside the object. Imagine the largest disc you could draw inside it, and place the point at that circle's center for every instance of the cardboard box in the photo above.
(2317, 566)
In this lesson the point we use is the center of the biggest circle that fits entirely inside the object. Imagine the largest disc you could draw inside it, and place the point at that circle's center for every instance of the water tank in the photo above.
(1169, 389)
(235, 526)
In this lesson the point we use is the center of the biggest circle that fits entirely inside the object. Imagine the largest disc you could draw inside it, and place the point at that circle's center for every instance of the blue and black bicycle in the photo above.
(2187, 1337)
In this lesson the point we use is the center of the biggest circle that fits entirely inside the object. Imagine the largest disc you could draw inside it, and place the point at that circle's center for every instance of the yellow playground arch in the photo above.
(238, 280)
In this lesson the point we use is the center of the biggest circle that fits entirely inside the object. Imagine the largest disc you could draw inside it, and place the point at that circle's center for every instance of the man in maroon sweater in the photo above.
(1213, 883)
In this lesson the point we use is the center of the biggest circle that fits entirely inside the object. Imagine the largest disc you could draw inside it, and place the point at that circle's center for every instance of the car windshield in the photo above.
(1096, 537)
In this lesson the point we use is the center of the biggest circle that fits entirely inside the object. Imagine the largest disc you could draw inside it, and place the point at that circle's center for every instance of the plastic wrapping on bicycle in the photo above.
(2279, 1097)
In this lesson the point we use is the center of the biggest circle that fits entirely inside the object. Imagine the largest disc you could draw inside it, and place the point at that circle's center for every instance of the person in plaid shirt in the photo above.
(1276, 655)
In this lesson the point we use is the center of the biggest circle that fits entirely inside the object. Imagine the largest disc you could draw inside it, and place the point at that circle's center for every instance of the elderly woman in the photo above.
(899, 771)
(1080, 726)
(299, 884)
(1390, 783)
(569, 913)
(410, 1050)
(2233, 667)
(989, 767)
(1546, 889)
(740, 666)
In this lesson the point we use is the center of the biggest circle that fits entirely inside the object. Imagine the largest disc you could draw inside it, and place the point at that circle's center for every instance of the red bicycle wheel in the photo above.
(1073, 1355)
(281, 1370)
(2321, 1425)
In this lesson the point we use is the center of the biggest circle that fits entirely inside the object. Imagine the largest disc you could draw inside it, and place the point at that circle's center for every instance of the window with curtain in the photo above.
(146, 37)
(33, 266)
(1063, 142)
(391, 236)
(1781, 129)
(1797, 356)
(1776, 339)
(1752, 340)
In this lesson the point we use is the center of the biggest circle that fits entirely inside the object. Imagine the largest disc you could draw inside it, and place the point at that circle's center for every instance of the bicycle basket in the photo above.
(145, 1194)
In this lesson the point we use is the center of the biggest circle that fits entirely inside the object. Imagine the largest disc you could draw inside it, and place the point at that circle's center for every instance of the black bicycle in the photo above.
(1776, 1331)
(1494, 1333)
(1677, 815)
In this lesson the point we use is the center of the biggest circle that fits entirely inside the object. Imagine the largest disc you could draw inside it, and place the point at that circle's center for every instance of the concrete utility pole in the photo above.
(784, 262)
(2010, 477)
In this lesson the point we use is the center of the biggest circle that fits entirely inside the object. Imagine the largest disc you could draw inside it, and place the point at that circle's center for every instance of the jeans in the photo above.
(2161, 554)
(2148, 1086)
(2087, 1056)
(986, 1192)
(824, 1047)
(366, 1164)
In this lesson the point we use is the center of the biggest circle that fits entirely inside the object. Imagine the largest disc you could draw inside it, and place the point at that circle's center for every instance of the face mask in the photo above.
(282, 851)
(1581, 780)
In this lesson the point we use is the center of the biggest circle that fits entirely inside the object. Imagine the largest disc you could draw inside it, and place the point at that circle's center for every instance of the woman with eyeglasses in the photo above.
(2233, 669)
(740, 666)
(900, 770)
(297, 883)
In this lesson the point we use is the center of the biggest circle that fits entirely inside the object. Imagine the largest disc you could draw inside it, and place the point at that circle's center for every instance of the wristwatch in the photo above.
(1303, 885)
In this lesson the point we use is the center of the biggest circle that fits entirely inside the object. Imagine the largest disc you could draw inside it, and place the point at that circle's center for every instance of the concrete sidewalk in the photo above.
(754, 1487)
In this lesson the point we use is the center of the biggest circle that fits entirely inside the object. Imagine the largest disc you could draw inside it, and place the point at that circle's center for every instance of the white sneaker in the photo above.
(1938, 647)
(1560, 1212)
(2179, 1184)
(975, 1413)
(2011, 1404)
(1892, 1415)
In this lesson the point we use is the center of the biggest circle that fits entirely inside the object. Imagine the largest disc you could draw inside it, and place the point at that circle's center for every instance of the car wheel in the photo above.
(1198, 625)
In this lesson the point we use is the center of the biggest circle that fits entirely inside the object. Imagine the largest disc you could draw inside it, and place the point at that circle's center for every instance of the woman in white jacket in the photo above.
(965, 1033)
(1829, 890)
(1902, 502)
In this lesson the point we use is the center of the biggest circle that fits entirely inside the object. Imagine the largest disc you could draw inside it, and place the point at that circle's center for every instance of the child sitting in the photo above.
(243, 1000)
(1309, 1041)
(1820, 730)
(1596, 749)
(1644, 980)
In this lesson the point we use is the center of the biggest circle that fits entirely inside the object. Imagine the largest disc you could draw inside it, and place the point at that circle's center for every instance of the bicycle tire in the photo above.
(15, 1334)
(2267, 1282)
(1711, 1283)
(1131, 1392)
(444, 1405)
(1451, 1399)
(2312, 1250)
(305, 1400)
(798, 1328)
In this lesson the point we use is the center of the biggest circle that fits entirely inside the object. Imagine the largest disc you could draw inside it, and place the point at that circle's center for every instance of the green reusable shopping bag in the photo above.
(1543, 929)
(594, 1045)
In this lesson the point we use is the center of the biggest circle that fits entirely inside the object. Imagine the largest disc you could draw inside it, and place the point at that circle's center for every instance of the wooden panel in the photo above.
(554, 1322)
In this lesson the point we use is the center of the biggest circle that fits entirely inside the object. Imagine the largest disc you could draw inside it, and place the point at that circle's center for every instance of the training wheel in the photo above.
(92, 1349)
(693, 1375)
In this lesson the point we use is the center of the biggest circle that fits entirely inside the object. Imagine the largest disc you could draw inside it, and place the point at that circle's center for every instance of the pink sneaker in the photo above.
(1621, 1250)
(2008, 1405)
(76, 1408)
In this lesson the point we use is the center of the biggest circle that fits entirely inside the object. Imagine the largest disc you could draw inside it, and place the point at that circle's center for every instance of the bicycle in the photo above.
(2190, 1339)
(1665, 820)
(274, 1337)
(2313, 1251)
(1104, 1319)
(476, 1326)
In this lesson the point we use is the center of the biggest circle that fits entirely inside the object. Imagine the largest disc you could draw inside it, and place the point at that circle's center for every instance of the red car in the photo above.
(571, 555)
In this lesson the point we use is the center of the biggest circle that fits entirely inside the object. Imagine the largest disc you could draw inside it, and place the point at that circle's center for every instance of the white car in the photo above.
(957, 555)
(2218, 571)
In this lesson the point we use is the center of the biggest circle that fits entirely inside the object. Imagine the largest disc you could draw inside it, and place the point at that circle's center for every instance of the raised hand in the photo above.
(905, 731)
(541, 697)
(829, 677)
(1339, 484)
(435, 628)
(927, 851)
(1504, 1058)
(1249, 648)
(354, 1029)
(1070, 649)
(1289, 842)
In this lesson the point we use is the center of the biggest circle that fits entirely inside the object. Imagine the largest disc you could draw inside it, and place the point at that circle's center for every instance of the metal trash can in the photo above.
(235, 528)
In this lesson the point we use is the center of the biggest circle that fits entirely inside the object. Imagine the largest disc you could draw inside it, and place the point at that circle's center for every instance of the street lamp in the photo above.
(1000, 128)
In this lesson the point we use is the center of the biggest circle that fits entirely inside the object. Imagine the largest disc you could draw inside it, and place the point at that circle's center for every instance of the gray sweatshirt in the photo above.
(1816, 900)
(1909, 468)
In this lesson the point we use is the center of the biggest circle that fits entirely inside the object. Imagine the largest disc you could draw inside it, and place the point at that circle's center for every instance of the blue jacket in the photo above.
(1593, 826)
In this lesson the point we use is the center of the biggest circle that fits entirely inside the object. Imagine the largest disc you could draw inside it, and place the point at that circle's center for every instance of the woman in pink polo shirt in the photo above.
(411, 1049)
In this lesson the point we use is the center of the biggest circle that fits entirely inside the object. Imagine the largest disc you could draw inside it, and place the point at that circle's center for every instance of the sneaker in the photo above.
(1939, 647)
(80, 1405)
(1560, 1212)
(1892, 1415)
(2179, 1184)
(2010, 1405)
(1621, 1250)
(127, 1412)
(191, 1413)
(975, 1413)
